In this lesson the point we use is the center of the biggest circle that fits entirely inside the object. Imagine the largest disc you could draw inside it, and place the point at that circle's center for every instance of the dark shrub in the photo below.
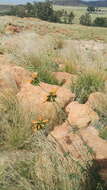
(86, 19)
(100, 21)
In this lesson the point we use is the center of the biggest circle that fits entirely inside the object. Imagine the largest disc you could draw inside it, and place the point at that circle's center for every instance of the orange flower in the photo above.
(38, 124)
(51, 96)
(34, 75)
(54, 91)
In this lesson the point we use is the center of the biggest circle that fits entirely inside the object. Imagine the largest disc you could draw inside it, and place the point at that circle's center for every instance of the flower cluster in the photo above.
(51, 97)
(35, 78)
(38, 124)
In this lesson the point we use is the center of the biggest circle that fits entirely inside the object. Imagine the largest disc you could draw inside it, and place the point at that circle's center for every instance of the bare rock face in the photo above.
(35, 99)
(3, 59)
(90, 135)
(20, 75)
(13, 76)
(68, 141)
(99, 146)
(80, 115)
(64, 78)
(74, 143)
(96, 100)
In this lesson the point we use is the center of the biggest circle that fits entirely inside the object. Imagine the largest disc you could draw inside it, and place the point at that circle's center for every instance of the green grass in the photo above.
(103, 133)
(86, 84)
(44, 70)
(45, 76)
(45, 169)
(80, 32)
(65, 31)
(15, 123)
(78, 11)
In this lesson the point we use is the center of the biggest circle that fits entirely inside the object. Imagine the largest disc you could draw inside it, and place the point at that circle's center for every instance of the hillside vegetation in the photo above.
(79, 11)
(53, 105)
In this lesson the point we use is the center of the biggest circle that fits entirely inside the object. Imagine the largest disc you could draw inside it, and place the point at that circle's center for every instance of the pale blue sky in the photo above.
(16, 1)
(24, 1)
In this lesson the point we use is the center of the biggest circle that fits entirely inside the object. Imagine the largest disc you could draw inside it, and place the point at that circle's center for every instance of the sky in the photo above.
(23, 1)
(16, 1)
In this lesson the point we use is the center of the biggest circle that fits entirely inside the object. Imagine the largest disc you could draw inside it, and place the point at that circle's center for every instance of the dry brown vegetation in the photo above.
(40, 67)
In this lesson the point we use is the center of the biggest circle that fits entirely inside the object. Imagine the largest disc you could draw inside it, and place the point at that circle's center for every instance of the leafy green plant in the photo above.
(47, 76)
(44, 70)
(86, 84)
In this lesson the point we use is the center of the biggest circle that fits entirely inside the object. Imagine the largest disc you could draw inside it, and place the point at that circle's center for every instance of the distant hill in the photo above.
(100, 3)
(68, 2)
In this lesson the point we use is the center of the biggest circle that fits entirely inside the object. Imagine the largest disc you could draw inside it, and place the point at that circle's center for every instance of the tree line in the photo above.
(45, 11)
(42, 10)
(86, 19)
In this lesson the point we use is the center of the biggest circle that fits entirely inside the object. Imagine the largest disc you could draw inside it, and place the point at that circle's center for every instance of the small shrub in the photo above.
(86, 84)
(69, 65)
(86, 19)
(100, 21)
(70, 68)
(59, 44)
(71, 17)
(44, 70)
(45, 76)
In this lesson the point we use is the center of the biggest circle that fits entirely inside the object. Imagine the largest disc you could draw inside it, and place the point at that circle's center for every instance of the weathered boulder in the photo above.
(80, 115)
(64, 78)
(69, 141)
(4, 59)
(35, 99)
(20, 75)
(12, 76)
(96, 100)
(99, 146)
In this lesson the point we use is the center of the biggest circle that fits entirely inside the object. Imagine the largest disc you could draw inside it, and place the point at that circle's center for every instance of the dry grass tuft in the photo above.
(86, 84)
(15, 123)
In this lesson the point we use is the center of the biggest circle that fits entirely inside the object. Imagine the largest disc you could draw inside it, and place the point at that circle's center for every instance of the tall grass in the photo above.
(86, 84)
(48, 169)
(49, 165)
(35, 54)
(15, 123)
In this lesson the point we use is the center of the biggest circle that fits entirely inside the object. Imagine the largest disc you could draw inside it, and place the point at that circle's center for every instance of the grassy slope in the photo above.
(25, 170)
(74, 31)
(78, 11)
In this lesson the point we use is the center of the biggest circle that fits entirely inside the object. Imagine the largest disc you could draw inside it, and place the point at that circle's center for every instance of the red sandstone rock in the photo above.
(80, 115)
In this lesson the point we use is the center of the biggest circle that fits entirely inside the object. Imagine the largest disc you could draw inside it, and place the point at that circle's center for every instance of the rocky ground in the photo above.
(71, 123)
